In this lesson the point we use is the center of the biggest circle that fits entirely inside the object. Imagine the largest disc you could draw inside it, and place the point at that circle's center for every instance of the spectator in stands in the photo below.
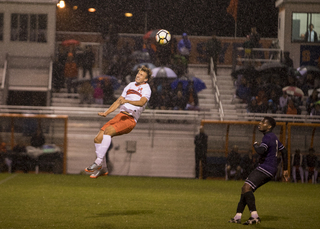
(311, 163)
(297, 163)
(86, 93)
(179, 65)
(246, 164)
(311, 100)
(165, 100)
(283, 101)
(248, 46)
(37, 139)
(290, 109)
(272, 107)
(108, 92)
(70, 72)
(213, 49)
(262, 101)
(154, 99)
(254, 37)
(98, 94)
(57, 75)
(315, 110)
(201, 145)
(88, 61)
(308, 83)
(192, 98)
(287, 60)
(252, 106)
(243, 91)
(233, 163)
(179, 101)
(184, 48)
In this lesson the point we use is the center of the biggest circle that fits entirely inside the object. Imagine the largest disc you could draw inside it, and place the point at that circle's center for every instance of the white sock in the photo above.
(254, 214)
(97, 145)
(101, 151)
(237, 216)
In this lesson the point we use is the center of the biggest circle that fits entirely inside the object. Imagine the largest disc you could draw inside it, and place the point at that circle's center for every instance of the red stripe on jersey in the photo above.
(130, 91)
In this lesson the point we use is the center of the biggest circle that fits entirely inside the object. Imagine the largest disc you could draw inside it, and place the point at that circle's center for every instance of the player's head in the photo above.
(143, 75)
(267, 124)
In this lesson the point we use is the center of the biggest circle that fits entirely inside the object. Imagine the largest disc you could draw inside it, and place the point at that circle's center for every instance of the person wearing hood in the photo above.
(184, 47)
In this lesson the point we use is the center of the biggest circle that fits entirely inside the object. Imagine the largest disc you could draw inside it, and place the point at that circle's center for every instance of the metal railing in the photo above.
(216, 89)
(279, 117)
(239, 56)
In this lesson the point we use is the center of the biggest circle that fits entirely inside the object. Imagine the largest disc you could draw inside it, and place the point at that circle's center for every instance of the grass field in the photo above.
(76, 201)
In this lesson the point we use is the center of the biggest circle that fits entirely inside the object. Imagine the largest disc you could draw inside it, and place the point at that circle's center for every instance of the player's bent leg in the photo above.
(246, 188)
(110, 130)
(99, 137)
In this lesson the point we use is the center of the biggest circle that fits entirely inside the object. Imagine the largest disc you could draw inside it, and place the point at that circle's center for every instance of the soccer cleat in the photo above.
(92, 168)
(252, 220)
(99, 173)
(233, 220)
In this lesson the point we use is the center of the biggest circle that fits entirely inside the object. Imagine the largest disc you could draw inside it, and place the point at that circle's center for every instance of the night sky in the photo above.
(196, 17)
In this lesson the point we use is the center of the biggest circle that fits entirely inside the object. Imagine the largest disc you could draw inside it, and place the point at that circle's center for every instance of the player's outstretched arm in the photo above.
(139, 103)
(112, 108)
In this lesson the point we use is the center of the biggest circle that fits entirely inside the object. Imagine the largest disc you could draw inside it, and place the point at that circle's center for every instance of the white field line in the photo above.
(8, 178)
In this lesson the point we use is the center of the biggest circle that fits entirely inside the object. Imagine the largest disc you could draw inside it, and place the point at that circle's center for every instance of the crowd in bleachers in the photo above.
(264, 92)
(120, 63)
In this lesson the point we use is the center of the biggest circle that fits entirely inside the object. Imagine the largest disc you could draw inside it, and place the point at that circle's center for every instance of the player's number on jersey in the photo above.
(277, 148)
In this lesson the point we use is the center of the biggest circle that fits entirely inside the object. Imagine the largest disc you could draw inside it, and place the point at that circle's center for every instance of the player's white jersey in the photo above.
(135, 92)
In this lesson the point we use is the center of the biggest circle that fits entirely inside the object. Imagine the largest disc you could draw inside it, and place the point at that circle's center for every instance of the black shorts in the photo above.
(257, 178)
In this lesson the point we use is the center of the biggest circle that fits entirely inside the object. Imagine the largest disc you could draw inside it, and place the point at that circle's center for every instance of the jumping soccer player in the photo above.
(132, 102)
(267, 169)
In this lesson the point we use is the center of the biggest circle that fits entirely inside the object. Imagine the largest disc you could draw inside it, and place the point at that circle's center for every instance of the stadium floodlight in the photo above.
(61, 4)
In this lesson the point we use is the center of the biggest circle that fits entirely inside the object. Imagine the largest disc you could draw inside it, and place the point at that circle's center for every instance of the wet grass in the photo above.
(76, 201)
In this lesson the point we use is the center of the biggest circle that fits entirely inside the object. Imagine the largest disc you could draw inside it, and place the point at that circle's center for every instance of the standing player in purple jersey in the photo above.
(266, 170)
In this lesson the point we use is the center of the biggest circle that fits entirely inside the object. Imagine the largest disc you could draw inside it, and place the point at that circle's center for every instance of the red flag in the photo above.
(233, 9)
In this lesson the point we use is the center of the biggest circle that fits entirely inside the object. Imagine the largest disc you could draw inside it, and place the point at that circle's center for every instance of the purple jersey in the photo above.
(268, 161)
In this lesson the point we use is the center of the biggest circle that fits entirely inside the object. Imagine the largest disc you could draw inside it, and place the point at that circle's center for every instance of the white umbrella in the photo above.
(163, 72)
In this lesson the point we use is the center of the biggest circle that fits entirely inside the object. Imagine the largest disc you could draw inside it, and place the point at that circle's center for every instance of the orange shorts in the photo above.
(122, 123)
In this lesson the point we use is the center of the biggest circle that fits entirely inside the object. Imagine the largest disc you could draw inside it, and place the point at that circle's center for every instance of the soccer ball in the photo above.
(163, 37)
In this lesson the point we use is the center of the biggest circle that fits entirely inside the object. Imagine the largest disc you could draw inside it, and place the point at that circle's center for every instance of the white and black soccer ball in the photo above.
(163, 37)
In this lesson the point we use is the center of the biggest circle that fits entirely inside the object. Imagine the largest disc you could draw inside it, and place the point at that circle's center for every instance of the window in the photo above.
(25, 27)
(1, 27)
(305, 27)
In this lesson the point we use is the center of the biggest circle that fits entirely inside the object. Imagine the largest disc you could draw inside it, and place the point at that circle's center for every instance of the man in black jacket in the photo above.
(201, 145)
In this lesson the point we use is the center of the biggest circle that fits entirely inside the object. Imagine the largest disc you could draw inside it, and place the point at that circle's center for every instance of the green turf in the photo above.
(76, 201)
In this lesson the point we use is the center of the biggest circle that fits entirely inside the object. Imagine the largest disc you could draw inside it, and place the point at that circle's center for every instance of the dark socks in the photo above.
(242, 204)
(250, 200)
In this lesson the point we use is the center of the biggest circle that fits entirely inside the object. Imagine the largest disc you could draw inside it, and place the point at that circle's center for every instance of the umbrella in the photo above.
(273, 67)
(70, 42)
(246, 71)
(291, 90)
(106, 78)
(163, 72)
(150, 34)
(303, 70)
(148, 65)
(198, 84)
